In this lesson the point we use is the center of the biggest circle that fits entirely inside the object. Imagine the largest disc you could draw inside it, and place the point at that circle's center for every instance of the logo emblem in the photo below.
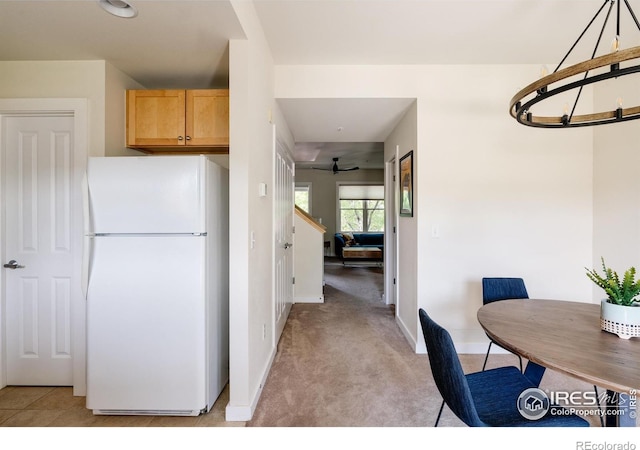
(533, 404)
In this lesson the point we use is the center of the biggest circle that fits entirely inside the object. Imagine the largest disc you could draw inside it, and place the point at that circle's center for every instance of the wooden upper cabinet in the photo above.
(155, 118)
(161, 120)
(207, 113)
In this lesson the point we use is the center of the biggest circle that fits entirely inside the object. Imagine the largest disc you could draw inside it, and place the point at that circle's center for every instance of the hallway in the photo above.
(345, 362)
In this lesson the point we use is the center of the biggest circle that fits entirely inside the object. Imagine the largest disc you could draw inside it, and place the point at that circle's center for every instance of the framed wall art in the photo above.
(406, 185)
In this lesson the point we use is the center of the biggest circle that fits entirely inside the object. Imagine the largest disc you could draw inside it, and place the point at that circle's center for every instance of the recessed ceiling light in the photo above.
(118, 8)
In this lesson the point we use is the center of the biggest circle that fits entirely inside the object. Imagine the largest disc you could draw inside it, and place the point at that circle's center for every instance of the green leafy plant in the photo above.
(619, 291)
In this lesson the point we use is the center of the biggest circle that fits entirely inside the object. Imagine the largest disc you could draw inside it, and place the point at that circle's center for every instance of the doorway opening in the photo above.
(350, 204)
(345, 128)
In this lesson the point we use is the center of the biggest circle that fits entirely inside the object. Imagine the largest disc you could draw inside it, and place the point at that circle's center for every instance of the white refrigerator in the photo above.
(156, 280)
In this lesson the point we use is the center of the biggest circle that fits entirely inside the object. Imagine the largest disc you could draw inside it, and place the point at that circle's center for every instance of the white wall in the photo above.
(507, 200)
(98, 81)
(308, 255)
(402, 140)
(616, 191)
(253, 113)
(60, 79)
(116, 83)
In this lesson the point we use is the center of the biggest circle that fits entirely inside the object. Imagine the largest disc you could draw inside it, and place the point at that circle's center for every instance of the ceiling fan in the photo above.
(335, 168)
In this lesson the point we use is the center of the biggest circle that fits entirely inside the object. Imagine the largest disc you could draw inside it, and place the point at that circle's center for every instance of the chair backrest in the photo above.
(494, 289)
(447, 371)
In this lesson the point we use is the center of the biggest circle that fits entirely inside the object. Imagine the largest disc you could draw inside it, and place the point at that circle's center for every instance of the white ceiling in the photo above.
(183, 43)
(422, 31)
(169, 44)
(351, 129)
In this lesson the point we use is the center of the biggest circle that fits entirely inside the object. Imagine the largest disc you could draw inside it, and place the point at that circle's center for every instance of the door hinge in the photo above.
(293, 230)
(293, 281)
(394, 281)
(394, 229)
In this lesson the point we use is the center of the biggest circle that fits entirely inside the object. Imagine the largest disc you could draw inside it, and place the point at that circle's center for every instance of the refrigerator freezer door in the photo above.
(146, 325)
(149, 194)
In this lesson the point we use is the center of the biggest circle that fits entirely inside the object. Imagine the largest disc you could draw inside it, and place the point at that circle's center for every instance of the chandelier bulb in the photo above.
(543, 71)
(615, 44)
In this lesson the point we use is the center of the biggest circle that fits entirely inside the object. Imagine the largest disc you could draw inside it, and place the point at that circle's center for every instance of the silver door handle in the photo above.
(13, 264)
(287, 245)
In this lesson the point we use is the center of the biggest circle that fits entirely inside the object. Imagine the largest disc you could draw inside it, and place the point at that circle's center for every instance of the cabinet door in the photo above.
(155, 118)
(207, 117)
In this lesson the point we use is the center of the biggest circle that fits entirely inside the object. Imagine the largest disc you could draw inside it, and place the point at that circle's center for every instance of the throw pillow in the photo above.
(348, 239)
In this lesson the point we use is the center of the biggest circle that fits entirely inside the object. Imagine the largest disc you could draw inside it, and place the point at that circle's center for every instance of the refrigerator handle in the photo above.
(86, 242)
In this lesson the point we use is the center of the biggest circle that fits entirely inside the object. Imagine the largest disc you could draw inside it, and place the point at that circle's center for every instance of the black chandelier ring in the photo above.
(521, 111)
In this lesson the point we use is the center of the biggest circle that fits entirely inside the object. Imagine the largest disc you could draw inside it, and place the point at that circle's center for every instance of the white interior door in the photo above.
(39, 237)
(391, 235)
(283, 216)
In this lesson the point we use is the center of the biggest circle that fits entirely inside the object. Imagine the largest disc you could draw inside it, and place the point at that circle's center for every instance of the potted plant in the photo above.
(619, 312)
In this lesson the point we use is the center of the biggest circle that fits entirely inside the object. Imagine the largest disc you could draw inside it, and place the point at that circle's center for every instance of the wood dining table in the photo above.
(565, 336)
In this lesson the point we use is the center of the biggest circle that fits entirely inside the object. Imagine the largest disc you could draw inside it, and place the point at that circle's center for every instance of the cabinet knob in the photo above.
(188, 138)
(179, 138)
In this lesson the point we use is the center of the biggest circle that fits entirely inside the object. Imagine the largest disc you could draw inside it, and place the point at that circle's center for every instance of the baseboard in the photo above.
(472, 348)
(244, 413)
(465, 342)
(237, 413)
(309, 299)
(472, 341)
(405, 332)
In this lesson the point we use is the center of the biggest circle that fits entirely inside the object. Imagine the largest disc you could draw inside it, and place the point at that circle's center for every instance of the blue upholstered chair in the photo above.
(481, 399)
(495, 289)
(502, 288)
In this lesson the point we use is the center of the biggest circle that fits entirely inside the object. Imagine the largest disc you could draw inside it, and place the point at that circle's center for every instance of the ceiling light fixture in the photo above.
(575, 77)
(118, 8)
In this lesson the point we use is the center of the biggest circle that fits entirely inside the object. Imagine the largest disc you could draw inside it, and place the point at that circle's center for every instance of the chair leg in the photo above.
(487, 356)
(439, 413)
(595, 389)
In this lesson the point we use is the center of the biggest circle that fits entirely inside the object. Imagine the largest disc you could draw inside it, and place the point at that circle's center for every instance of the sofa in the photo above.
(358, 240)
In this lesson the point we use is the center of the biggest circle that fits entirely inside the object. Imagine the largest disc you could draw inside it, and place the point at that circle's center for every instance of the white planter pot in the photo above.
(621, 320)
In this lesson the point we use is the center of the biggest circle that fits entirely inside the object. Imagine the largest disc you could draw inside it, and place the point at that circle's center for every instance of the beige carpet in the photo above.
(345, 363)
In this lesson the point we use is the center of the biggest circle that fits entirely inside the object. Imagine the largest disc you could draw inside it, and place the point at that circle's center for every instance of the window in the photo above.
(303, 196)
(361, 208)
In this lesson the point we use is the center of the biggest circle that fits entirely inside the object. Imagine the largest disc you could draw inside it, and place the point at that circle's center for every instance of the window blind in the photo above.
(361, 192)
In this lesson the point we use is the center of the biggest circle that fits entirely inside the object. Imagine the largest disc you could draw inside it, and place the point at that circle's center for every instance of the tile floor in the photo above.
(57, 407)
